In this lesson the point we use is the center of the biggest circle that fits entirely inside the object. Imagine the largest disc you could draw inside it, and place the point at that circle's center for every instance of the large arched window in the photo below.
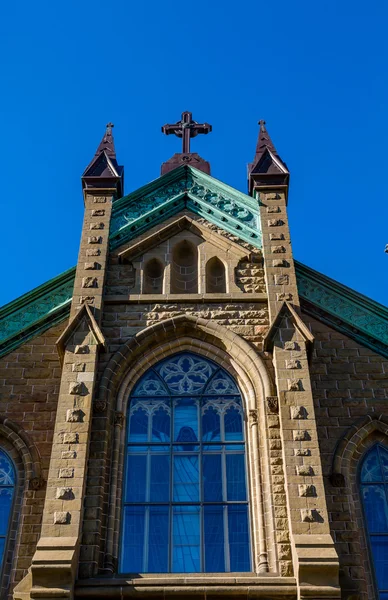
(185, 492)
(374, 491)
(7, 487)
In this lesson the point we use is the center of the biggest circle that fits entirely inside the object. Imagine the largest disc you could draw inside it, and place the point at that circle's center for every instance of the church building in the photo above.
(189, 412)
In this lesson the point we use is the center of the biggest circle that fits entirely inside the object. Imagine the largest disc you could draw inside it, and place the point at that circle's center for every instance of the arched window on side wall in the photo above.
(184, 272)
(215, 276)
(153, 277)
(185, 494)
(374, 492)
(7, 488)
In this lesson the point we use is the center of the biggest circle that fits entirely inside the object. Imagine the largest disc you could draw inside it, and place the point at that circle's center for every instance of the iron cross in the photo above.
(186, 129)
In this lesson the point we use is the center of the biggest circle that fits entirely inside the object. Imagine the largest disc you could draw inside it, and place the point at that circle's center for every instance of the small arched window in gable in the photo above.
(7, 488)
(184, 273)
(374, 493)
(215, 276)
(153, 277)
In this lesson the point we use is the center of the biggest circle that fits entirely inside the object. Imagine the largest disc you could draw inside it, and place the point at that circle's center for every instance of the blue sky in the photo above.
(315, 71)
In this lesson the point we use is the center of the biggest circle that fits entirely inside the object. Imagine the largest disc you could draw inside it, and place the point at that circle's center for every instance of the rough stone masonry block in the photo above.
(293, 364)
(95, 239)
(78, 367)
(75, 415)
(294, 385)
(291, 346)
(275, 222)
(276, 236)
(81, 349)
(302, 452)
(64, 493)
(70, 438)
(69, 454)
(279, 262)
(281, 279)
(273, 209)
(301, 435)
(66, 473)
(86, 299)
(89, 282)
(97, 226)
(305, 470)
(98, 212)
(78, 388)
(278, 249)
(310, 515)
(92, 266)
(298, 412)
(62, 518)
(307, 491)
(99, 200)
(93, 252)
(283, 296)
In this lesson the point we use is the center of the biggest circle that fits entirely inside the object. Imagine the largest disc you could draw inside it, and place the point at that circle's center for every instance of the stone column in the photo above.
(54, 565)
(314, 557)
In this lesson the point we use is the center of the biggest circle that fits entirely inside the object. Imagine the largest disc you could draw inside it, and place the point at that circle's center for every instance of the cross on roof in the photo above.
(186, 129)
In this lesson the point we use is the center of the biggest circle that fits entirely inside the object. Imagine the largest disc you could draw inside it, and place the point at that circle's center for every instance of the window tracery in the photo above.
(185, 498)
(7, 488)
(374, 494)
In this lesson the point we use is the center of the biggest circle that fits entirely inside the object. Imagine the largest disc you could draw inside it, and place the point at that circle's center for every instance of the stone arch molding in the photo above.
(16, 436)
(152, 344)
(372, 427)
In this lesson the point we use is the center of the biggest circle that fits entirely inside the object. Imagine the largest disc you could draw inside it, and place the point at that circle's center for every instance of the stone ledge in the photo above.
(184, 298)
(206, 586)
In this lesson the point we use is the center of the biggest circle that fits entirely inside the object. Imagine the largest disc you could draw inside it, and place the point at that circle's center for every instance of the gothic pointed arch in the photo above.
(185, 333)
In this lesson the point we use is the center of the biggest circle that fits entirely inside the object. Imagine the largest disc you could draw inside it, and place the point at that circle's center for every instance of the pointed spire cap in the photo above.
(267, 168)
(104, 171)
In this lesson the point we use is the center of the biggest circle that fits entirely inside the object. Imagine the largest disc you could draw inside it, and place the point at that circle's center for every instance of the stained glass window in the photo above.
(7, 486)
(374, 492)
(185, 494)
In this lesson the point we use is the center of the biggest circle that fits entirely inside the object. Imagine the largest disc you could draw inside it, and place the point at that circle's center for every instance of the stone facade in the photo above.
(314, 397)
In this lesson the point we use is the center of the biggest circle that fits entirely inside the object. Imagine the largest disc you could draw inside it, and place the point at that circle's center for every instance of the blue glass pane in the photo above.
(133, 539)
(2, 546)
(211, 425)
(220, 384)
(235, 477)
(138, 426)
(7, 471)
(214, 539)
(384, 461)
(160, 478)
(238, 538)
(161, 425)
(212, 478)
(136, 478)
(186, 373)
(186, 420)
(150, 385)
(383, 596)
(371, 470)
(6, 495)
(380, 559)
(158, 539)
(233, 425)
(186, 540)
(186, 479)
(376, 508)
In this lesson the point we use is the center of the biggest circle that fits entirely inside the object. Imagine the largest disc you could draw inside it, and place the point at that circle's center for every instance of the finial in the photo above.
(109, 127)
(262, 124)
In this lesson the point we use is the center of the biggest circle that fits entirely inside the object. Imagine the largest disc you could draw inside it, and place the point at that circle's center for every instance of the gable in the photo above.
(225, 210)
(185, 188)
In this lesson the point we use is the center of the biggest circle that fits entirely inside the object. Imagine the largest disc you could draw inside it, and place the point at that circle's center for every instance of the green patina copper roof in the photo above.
(185, 187)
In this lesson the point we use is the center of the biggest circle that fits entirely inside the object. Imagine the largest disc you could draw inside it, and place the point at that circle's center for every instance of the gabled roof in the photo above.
(340, 307)
(182, 188)
(84, 313)
(287, 311)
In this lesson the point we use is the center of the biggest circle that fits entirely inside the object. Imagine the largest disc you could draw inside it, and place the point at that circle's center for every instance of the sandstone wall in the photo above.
(350, 387)
(29, 385)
